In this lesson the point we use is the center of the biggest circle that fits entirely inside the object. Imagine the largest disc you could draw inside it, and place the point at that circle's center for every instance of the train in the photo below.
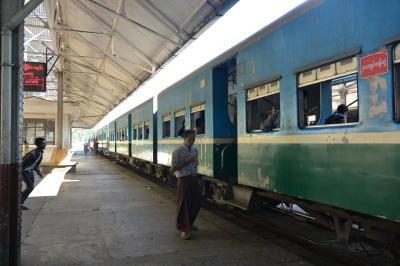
(320, 55)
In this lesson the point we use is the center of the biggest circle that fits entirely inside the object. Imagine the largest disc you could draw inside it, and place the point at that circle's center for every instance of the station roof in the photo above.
(107, 49)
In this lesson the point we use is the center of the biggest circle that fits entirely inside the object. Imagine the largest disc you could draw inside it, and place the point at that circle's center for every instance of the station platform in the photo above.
(104, 214)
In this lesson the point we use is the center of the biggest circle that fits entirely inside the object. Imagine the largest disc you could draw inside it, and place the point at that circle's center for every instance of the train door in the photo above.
(225, 121)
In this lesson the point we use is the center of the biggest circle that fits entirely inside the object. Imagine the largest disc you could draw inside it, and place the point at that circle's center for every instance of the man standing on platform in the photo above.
(30, 163)
(184, 166)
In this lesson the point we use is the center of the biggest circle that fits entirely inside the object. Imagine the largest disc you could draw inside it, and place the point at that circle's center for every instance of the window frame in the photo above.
(198, 108)
(46, 129)
(177, 114)
(313, 73)
(166, 118)
(262, 89)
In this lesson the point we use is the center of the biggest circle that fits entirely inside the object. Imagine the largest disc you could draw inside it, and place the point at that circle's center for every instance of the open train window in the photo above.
(124, 134)
(134, 132)
(140, 131)
(263, 107)
(396, 74)
(329, 94)
(146, 129)
(166, 125)
(179, 123)
(197, 119)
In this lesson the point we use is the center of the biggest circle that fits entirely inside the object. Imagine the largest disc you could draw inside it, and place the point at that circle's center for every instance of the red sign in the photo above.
(374, 64)
(35, 76)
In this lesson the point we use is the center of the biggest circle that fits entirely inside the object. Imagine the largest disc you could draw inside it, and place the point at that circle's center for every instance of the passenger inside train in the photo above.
(200, 125)
(270, 121)
(339, 116)
(182, 129)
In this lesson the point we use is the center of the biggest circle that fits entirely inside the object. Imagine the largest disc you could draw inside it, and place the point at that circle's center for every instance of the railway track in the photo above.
(318, 244)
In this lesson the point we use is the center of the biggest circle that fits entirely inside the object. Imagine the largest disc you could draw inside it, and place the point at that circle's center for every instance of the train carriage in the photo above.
(200, 102)
(261, 112)
(305, 66)
(112, 137)
(101, 136)
(122, 141)
(142, 128)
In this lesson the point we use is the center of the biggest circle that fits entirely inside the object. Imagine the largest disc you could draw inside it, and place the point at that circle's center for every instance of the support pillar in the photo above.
(60, 109)
(12, 14)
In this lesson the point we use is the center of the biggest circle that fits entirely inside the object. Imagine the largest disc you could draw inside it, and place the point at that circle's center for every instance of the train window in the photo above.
(179, 123)
(197, 119)
(396, 69)
(166, 125)
(134, 132)
(140, 131)
(263, 107)
(325, 93)
(146, 129)
(124, 135)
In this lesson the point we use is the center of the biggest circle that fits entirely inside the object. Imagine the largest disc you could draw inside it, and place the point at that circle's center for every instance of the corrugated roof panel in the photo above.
(145, 34)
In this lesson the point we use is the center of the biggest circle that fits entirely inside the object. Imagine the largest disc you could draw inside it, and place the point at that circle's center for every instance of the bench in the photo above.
(48, 166)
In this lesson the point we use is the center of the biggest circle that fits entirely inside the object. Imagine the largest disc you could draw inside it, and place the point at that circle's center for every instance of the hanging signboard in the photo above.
(374, 64)
(35, 76)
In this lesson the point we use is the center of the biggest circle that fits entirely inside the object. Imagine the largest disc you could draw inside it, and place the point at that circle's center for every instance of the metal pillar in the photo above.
(60, 109)
(12, 14)
(6, 68)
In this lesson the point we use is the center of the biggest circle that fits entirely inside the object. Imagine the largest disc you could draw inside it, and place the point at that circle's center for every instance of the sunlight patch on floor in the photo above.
(50, 185)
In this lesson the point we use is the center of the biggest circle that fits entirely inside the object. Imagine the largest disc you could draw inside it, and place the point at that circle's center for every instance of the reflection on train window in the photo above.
(197, 119)
(166, 125)
(140, 131)
(325, 93)
(396, 69)
(134, 132)
(146, 129)
(179, 123)
(263, 107)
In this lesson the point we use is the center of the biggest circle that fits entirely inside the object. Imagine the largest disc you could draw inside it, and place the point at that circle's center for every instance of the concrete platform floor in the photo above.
(106, 215)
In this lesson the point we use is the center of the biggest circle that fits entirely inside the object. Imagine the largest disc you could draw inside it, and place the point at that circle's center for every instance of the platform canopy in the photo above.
(107, 49)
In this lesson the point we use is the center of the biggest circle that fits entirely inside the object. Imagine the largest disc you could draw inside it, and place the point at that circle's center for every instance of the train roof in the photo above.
(226, 56)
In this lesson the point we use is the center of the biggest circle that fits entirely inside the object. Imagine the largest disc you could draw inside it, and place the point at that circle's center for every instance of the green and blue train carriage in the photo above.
(200, 98)
(131, 136)
(101, 136)
(307, 64)
(301, 67)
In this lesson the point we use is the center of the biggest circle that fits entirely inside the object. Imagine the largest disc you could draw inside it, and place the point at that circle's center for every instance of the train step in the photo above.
(241, 198)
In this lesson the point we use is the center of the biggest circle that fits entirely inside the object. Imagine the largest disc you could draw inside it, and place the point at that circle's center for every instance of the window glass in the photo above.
(197, 119)
(263, 107)
(35, 128)
(166, 126)
(329, 94)
(179, 123)
(50, 131)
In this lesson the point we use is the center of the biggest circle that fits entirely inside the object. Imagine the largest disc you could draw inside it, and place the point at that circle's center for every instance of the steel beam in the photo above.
(60, 109)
